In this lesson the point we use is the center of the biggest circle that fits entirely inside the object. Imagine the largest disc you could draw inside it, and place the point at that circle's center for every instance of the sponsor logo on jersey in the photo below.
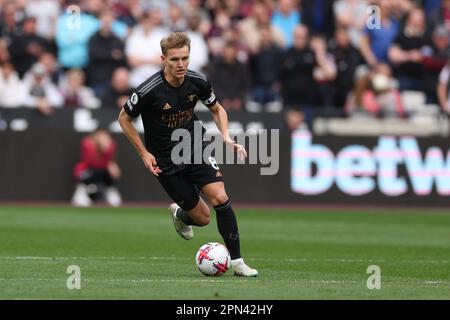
(177, 119)
(191, 97)
(167, 106)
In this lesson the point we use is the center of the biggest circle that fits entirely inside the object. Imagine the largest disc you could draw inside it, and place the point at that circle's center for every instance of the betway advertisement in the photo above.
(387, 165)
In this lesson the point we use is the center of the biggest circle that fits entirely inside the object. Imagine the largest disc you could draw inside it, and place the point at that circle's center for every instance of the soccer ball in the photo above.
(213, 259)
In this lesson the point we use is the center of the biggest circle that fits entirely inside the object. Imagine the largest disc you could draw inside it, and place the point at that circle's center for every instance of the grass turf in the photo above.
(134, 253)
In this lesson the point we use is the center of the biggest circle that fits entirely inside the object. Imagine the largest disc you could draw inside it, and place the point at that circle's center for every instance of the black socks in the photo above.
(226, 223)
(228, 229)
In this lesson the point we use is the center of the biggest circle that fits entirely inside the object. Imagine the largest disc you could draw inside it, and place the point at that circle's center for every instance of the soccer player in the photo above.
(166, 102)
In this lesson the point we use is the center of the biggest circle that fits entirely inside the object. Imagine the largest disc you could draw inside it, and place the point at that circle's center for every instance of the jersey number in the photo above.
(213, 163)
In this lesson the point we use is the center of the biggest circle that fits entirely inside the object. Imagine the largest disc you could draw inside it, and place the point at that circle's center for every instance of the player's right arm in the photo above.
(126, 123)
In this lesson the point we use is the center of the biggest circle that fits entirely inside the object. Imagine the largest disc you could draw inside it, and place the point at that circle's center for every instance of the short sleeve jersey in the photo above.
(165, 108)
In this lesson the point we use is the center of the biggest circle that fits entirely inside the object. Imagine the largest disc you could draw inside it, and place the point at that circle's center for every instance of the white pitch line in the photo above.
(226, 280)
(87, 258)
(250, 259)
(128, 280)
(336, 281)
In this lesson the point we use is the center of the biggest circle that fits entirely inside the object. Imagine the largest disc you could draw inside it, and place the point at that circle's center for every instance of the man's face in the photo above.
(441, 42)
(300, 38)
(176, 62)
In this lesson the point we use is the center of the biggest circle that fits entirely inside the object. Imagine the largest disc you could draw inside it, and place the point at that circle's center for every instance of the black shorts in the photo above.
(184, 186)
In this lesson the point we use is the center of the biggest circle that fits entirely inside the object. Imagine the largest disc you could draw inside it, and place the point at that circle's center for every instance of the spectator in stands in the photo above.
(443, 88)
(319, 17)
(75, 93)
(440, 16)
(72, 37)
(375, 42)
(347, 59)
(106, 53)
(299, 88)
(10, 21)
(128, 11)
(325, 70)
(286, 17)
(434, 58)
(195, 8)
(95, 8)
(118, 91)
(352, 16)
(157, 17)
(26, 47)
(97, 172)
(39, 92)
(176, 21)
(143, 51)
(251, 27)
(199, 55)
(10, 86)
(233, 9)
(354, 106)
(46, 12)
(229, 77)
(400, 8)
(216, 37)
(48, 60)
(232, 35)
(4, 52)
(159, 6)
(265, 73)
(405, 52)
(376, 95)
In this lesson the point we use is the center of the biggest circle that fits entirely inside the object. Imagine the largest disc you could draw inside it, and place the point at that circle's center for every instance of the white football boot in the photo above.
(113, 197)
(240, 269)
(81, 196)
(185, 231)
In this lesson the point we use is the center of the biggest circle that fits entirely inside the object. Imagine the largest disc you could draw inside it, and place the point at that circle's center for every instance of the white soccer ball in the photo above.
(213, 259)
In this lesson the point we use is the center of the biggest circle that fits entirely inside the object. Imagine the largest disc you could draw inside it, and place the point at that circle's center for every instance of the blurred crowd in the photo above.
(303, 58)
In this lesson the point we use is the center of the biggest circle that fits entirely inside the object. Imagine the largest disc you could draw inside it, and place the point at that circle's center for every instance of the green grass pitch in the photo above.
(134, 253)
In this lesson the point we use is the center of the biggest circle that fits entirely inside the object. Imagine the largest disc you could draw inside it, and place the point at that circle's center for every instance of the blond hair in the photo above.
(176, 40)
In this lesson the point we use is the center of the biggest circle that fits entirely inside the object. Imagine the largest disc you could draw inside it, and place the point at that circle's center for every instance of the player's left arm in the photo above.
(221, 119)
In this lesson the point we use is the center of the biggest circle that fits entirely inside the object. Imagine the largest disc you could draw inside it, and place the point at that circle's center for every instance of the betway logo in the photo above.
(357, 170)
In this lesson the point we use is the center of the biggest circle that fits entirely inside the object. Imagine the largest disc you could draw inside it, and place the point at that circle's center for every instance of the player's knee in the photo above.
(219, 198)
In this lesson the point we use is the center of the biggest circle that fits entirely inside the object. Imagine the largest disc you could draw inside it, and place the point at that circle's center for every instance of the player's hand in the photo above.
(239, 149)
(150, 163)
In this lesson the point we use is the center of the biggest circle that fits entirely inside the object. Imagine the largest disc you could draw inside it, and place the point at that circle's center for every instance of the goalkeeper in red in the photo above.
(166, 102)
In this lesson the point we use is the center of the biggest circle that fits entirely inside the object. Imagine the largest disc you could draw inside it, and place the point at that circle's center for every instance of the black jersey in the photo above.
(165, 108)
